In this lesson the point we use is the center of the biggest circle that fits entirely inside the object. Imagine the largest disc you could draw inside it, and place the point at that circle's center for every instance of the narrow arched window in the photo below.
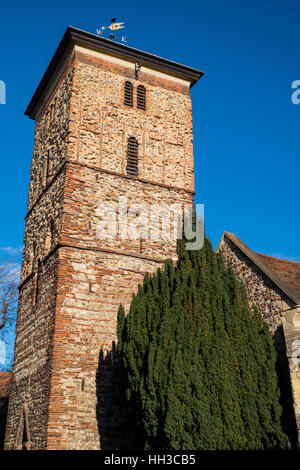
(32, 256)
(46, 169)
(132, 157)
(128, 94)
(141, 97)
(50, 237)
(38, 282)
(48, 118)
(53, 110)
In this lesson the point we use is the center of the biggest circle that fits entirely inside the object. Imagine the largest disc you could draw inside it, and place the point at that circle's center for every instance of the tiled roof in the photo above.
(285, 274)
(289, 271)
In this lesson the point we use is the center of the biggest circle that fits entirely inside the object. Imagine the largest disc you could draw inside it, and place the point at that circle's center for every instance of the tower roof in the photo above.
(74, 36)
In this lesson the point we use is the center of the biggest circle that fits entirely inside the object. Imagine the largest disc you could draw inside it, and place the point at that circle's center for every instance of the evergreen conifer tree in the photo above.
(198, 365)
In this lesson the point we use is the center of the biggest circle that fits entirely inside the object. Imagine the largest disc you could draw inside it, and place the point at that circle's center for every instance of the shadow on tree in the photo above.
(195, 366)
(116, 430)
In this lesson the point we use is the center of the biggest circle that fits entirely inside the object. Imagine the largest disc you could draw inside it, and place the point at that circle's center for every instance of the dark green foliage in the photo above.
(199, 367)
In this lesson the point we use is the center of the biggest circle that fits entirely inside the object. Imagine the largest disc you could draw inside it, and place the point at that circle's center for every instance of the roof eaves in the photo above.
(291, 293)
(74, 36)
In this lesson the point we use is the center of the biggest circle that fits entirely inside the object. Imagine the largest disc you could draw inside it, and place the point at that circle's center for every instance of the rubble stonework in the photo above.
(277, 302)
(291, 328)
(261, 291)
(72, 280)
(35, 323)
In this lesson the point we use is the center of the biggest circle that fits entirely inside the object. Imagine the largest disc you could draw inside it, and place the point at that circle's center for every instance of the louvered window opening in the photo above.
(132, 157)
(128, 94)
(141, 97)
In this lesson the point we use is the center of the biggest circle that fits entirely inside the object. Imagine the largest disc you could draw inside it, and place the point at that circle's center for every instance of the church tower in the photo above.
(111, 122)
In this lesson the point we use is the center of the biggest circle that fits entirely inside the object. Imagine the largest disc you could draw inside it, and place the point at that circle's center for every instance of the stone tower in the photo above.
(111, 121)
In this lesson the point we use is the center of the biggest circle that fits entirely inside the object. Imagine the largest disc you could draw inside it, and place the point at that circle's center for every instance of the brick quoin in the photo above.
(72, 282)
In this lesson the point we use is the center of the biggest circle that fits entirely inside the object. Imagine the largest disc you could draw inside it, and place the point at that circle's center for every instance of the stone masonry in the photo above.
(73, 281)
(261, 291)
(271, 284)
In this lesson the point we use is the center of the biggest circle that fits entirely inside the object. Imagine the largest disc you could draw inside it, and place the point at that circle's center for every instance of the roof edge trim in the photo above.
(283, 286)
(74, 36)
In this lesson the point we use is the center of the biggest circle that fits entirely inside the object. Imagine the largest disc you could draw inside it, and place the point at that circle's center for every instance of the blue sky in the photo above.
(246, 128)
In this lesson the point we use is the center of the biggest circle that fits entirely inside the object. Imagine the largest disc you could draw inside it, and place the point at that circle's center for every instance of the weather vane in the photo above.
(113, 26)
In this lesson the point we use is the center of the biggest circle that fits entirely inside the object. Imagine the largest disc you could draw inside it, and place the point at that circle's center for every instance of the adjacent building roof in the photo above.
(284, 273)
(289, 271)
(74, 36)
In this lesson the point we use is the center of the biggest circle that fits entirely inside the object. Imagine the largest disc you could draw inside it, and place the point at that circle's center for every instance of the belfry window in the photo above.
(132, 157)
(128, 94)
(141, 97)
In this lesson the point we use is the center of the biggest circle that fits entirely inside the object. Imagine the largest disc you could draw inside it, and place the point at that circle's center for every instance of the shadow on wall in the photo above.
(3, 416)
(112, 415)
(288, 420)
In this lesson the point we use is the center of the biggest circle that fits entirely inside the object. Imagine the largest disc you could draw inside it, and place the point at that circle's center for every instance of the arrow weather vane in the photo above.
(113, 26)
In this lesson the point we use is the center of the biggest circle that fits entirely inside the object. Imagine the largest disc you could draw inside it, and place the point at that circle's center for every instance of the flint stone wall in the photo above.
(73, 280)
